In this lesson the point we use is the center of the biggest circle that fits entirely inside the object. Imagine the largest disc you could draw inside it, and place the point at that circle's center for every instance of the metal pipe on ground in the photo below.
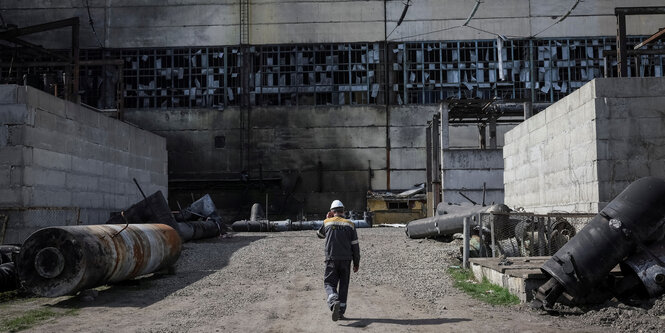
(450, 220)
(634, 218)
(194, 230)
(58, 261)
(288, 225)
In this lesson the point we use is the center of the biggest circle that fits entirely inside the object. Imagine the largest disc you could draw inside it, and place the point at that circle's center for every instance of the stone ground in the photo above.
(272, 282)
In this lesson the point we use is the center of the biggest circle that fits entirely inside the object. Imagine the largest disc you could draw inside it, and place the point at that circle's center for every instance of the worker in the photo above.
(341, 248)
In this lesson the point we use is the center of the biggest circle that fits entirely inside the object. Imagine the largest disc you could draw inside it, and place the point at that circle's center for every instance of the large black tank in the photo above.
(635, 216)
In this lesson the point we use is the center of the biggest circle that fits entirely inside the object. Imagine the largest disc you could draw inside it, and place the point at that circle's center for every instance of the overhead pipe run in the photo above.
(59, 261)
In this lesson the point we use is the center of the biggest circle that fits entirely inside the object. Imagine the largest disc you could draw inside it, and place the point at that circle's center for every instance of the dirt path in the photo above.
(255, 282)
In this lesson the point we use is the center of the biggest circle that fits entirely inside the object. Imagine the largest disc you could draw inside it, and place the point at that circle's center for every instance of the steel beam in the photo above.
(38, 48)
(639, 10)
(621, 46)
(652, 38)
(39, 28)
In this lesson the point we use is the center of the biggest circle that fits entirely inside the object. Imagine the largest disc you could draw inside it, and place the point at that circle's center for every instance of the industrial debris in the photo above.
(59, 261)
(145, 238)
(449, 219)
(8, 277)
(397, 208)
(257, 223)
(629, 230)
(199, 220)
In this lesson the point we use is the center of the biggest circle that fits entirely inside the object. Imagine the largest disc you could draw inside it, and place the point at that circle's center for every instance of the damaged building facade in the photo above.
(299, 103)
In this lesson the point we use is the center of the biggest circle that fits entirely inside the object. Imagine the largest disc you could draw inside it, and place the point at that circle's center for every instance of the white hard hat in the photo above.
(336, 204)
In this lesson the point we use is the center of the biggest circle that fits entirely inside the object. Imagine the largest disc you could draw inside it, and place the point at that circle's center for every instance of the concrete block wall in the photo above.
(153, 23)
(630, 132)
(582, 151)
(57, 156)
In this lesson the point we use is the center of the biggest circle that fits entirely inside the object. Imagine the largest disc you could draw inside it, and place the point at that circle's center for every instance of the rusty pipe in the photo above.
(59, 261)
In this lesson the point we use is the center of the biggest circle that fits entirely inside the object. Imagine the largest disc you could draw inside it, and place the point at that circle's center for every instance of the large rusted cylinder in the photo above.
(635, 216)
(59, 261)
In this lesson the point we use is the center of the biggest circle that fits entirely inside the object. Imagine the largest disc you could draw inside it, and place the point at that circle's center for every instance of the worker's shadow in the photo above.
(364, 322)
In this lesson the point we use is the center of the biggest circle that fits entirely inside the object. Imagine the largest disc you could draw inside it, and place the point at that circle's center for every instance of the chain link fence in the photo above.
(519, 234)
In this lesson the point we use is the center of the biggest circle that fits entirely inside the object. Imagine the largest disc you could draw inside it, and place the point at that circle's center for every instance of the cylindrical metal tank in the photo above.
(57, 261)
(635, 215)
(451, 220)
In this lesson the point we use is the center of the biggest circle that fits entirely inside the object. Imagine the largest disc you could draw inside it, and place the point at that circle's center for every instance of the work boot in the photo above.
(335, 311)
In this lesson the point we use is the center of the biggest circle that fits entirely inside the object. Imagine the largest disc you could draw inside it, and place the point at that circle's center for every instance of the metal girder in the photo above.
(639, 10)
(21, 42)
(636, 52)
(652, 38)
(621, 12)
(12, 33)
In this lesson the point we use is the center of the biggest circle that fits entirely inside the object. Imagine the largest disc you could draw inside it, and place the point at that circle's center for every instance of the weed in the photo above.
(484, 291)
(31, 318)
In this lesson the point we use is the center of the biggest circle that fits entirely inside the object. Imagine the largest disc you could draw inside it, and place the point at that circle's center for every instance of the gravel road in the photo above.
(273, 282)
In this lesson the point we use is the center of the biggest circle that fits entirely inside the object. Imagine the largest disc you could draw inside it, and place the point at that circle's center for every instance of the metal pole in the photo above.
(387, 90)
(622, 56)
(532, 75)
(465, 249)
(492, 233)
(482, 250)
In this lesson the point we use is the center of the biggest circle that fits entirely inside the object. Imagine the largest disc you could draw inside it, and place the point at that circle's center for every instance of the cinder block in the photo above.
(8, 94)
(12, 114)
(47, 197)
(159, 179)
(44, 138)
(92, 199)
(51, 159)
(111, 185)
(11, 197)
(81, 182)
(536, 122)
(538, 136)
(11, 155)
(87, 166)
(38, 177)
